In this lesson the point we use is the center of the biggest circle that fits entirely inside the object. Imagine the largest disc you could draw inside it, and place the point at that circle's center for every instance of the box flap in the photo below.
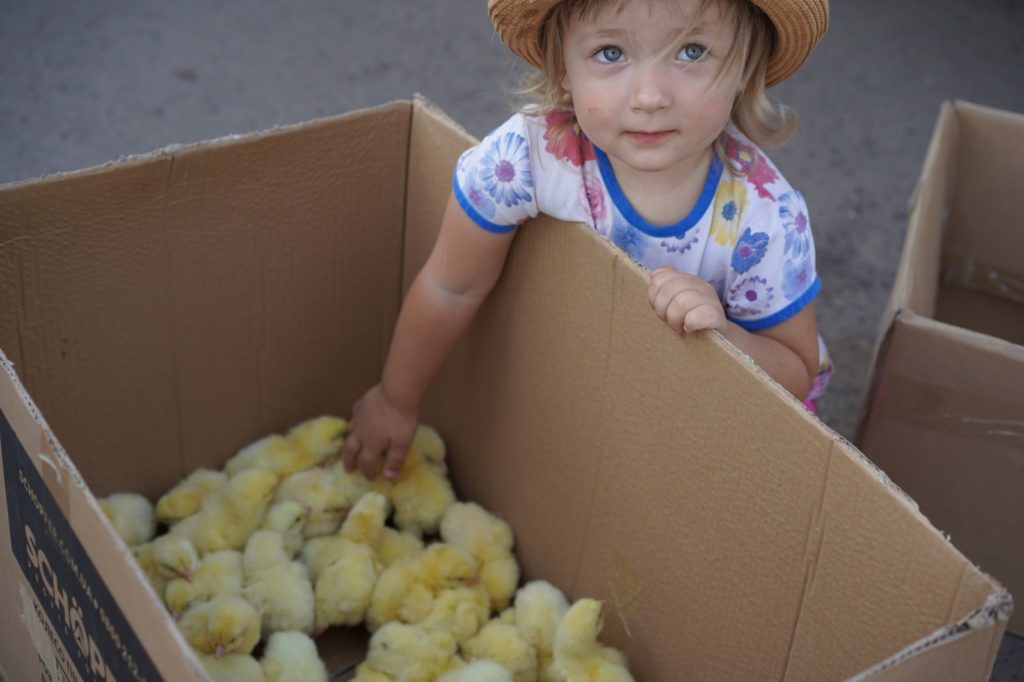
(598, 434)
(67, 561)
(985, 238)
(157, 298)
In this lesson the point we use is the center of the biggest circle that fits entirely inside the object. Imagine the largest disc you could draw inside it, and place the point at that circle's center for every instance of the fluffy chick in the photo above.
(225, 625)
(461, 611)
(406, 589)
(422, 492)
(218, 574)
(233, 668)
(288, 518)
(273, 453)
(345, 585)
(186, 497)
(279, 587)
(318, 439)
(315, 490)
(539, 608)
(365, 522)
(578, 655)
(478, 671)
(166, 557)
(409, 653)
(230, 515)
(503, 643)
(131, 514)
(292, 657)
(395, 544)
(489, 539)
(346, 567)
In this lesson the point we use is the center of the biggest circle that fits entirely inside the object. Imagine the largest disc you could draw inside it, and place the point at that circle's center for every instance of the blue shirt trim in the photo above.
(784, 314)
(474, 214)
(636, 220)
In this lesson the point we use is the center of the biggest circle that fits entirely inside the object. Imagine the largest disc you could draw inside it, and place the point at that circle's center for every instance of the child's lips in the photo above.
(648, 136)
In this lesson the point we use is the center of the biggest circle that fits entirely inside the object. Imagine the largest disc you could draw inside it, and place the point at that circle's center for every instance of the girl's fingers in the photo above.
(368, 459)
(349, 452)
(393, 462)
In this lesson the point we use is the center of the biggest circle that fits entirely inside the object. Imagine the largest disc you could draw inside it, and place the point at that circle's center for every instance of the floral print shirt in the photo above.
(748, 234)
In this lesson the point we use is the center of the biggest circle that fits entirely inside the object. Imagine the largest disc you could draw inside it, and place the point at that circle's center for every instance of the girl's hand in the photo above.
(685, 302)
(378, 428)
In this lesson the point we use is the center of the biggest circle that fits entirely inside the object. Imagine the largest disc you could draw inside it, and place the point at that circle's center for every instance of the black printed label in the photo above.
(80, 609)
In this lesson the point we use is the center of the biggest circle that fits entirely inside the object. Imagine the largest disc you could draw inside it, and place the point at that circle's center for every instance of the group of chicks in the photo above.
(284, 542)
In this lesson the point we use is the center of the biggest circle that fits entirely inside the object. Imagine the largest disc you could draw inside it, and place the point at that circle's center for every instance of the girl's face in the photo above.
(650, 111)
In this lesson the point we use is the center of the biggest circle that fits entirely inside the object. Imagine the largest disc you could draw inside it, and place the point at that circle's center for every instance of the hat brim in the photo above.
(799, 25)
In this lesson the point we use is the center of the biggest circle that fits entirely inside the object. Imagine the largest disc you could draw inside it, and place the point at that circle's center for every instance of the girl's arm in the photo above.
(788, 351)
(462, 269)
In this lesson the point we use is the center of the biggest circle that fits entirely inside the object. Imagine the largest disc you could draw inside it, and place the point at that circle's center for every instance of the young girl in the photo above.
(647, 128)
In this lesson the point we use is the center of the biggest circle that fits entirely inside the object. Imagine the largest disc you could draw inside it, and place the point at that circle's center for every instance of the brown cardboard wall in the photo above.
(194, 300)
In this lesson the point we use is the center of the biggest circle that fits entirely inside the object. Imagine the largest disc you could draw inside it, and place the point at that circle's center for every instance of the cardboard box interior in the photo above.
(169, 309)
(942, 415)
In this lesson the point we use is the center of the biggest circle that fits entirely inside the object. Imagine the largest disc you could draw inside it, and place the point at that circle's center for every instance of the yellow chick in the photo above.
(314, 489)
(409, 653)
(539, 608)
(462, 611)
(395, 544)
(186, 497)
(405, 590)
(292, 657)
(365, 522)
(225, 625)
(131, 515)
(319, 439)
(422, 492)
(166, 557)
(288, 518)
(230, 515)
(578, 655)
(504, 644)
(347, 566)
(233, 668)
(489, 539)
(478, 671)
(279, 587)
(218, 574)
(345, 585)
(274, 453)
(365, 674)
(354, 485)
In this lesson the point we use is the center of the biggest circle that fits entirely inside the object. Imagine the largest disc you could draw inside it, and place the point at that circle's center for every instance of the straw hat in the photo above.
(799, 24)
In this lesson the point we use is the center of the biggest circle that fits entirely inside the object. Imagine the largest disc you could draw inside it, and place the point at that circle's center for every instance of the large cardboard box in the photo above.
(162, 311)
(944, 413)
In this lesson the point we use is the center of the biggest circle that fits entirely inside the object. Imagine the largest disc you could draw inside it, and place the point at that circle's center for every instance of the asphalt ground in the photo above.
(82, 83)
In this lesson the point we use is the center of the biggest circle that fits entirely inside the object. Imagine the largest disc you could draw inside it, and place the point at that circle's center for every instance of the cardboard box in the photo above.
(163, 311)
(944, 413)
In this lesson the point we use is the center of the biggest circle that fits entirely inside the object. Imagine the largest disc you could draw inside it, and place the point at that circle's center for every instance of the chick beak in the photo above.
(176, 615)
(219, 651)
(307, 513)
(187, 575)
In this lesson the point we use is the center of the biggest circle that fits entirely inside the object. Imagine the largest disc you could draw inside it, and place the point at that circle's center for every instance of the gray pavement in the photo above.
(82, 83)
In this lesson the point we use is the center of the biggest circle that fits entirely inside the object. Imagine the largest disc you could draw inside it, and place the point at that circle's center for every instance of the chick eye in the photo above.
(610, 54)
(692, 52)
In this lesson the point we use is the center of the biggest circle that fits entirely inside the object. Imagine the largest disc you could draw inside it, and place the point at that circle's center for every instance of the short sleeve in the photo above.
(771, 274)
(493, 180)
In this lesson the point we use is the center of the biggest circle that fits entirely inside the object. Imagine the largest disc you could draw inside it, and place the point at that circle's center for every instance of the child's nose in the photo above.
(650, 89)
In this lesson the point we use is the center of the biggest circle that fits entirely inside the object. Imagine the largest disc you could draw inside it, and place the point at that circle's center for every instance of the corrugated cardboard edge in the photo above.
(68, 476)
(993, 615)
(178, 147)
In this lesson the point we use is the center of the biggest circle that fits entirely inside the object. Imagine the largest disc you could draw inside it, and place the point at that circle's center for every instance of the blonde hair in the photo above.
(755, 113)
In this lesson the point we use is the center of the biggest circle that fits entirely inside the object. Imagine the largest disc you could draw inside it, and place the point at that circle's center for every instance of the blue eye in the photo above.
(692, 52)
(610, 54)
